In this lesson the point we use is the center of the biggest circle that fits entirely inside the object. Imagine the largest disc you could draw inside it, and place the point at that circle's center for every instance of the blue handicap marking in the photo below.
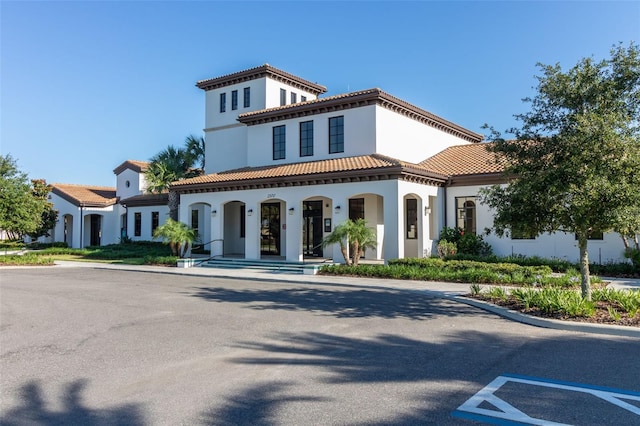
(491, 404)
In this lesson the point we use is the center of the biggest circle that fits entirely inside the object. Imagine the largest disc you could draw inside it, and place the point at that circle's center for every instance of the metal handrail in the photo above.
(203, 260)
(312, 249)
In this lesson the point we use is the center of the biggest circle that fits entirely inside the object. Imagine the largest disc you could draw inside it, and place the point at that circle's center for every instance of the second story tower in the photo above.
(243, 92)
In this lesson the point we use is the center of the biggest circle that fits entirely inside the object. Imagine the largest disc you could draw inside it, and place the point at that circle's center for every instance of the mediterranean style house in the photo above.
(285, 165)
(94, 215)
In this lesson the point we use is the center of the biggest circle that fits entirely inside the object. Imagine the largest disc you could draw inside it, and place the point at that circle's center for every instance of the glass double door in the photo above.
(270, 229)
(312, 228)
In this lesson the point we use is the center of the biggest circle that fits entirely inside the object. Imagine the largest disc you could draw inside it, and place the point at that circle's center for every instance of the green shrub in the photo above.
(446, 249)
(466, 243)
(633, 254)
(25, 260)
(627, 300)
(41, 246)
(160, 260)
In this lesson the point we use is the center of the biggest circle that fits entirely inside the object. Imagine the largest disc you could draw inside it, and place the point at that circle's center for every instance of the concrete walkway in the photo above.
(446, 290)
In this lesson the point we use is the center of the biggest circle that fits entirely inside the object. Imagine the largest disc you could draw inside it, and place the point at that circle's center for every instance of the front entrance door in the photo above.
(270, 229)
(96, 229)
(312, 228)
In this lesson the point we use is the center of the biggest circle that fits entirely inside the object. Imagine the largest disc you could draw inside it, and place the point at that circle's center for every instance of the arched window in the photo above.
(466, 214)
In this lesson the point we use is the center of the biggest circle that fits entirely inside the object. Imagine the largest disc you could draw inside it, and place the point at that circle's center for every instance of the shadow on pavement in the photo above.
(342, 303)
(33, 410)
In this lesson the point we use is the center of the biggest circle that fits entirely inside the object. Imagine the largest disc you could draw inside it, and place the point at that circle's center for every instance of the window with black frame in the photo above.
(279, 143)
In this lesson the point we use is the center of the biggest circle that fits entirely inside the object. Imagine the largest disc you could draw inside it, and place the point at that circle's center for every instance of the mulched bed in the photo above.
(601, 315)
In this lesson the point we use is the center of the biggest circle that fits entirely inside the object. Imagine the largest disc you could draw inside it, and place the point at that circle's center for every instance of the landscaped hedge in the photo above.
(127, 251)
(27, 259)
(625, 269)
(431, 269)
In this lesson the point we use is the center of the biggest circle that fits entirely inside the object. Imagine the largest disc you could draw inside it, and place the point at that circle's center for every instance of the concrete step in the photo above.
(265, 265)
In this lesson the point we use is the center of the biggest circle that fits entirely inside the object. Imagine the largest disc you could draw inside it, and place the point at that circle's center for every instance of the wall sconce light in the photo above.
(214, 212)
(291, 210)
(249, 212)
(462, 215)
(427, 210)
(337, 209)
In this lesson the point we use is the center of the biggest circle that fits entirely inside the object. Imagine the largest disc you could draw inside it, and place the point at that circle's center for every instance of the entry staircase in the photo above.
(271, 265)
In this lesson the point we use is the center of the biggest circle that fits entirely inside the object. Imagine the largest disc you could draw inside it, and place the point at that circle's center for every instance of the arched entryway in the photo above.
(67, 229)
(316, 224)
(234, 229)
(199, 220)
(369, 207)
(272, 228)
(93, 226)
(413, 232)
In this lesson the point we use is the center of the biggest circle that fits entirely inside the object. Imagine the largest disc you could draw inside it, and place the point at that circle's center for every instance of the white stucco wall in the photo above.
(557, 245)
(80, 235)
(226, 148)
(137, 184)
(214, 118)
(406, 139)
(384, 211)
(145, 230)
(272, 93)
(359, 137)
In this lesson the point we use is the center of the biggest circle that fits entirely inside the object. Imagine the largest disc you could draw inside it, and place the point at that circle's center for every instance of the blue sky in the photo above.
(86, 85)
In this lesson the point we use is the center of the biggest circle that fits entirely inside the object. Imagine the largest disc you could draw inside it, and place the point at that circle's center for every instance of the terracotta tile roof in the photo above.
(343, 165)
(161, 199)
(258, 72)
(472, 159)
(137, 166)
(84, 195)
(355, 100)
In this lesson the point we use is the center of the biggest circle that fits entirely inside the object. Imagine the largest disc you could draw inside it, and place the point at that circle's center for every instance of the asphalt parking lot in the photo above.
(91, 346)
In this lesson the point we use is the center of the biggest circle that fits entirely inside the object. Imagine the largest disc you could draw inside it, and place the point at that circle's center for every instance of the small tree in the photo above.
(352, 234)
(361, 237)
(178, 235)
(20, 208)
(573, 165)
(49, 216)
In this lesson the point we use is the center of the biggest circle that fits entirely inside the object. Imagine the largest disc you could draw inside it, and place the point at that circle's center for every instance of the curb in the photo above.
(611, 330)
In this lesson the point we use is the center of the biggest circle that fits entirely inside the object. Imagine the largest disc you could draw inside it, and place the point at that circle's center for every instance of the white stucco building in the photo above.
(284, 166)
(94, 215)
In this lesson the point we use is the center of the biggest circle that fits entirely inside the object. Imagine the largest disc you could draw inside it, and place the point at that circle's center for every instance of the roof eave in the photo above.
(477, 179)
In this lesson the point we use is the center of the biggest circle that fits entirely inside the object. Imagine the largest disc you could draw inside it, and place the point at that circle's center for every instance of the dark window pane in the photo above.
(234, 100)
(336, 134)
(223, 102)
(279, 143)
(356, 208)
(137, 224)
(306, 138)
(412, 218)
(283, 97)
(247, 97)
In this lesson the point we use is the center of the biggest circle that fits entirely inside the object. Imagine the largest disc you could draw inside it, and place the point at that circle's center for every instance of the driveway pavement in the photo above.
(87, 345)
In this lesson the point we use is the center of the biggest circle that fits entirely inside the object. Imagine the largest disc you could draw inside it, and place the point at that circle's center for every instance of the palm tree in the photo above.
(354, 233)
(178, 235)
(173, 164)
(338, 236)
(361, 237)
(195, 150)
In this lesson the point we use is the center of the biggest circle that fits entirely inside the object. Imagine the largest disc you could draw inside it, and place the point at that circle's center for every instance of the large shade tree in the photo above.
(174, 164)
(574, 164)
(24, 208)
